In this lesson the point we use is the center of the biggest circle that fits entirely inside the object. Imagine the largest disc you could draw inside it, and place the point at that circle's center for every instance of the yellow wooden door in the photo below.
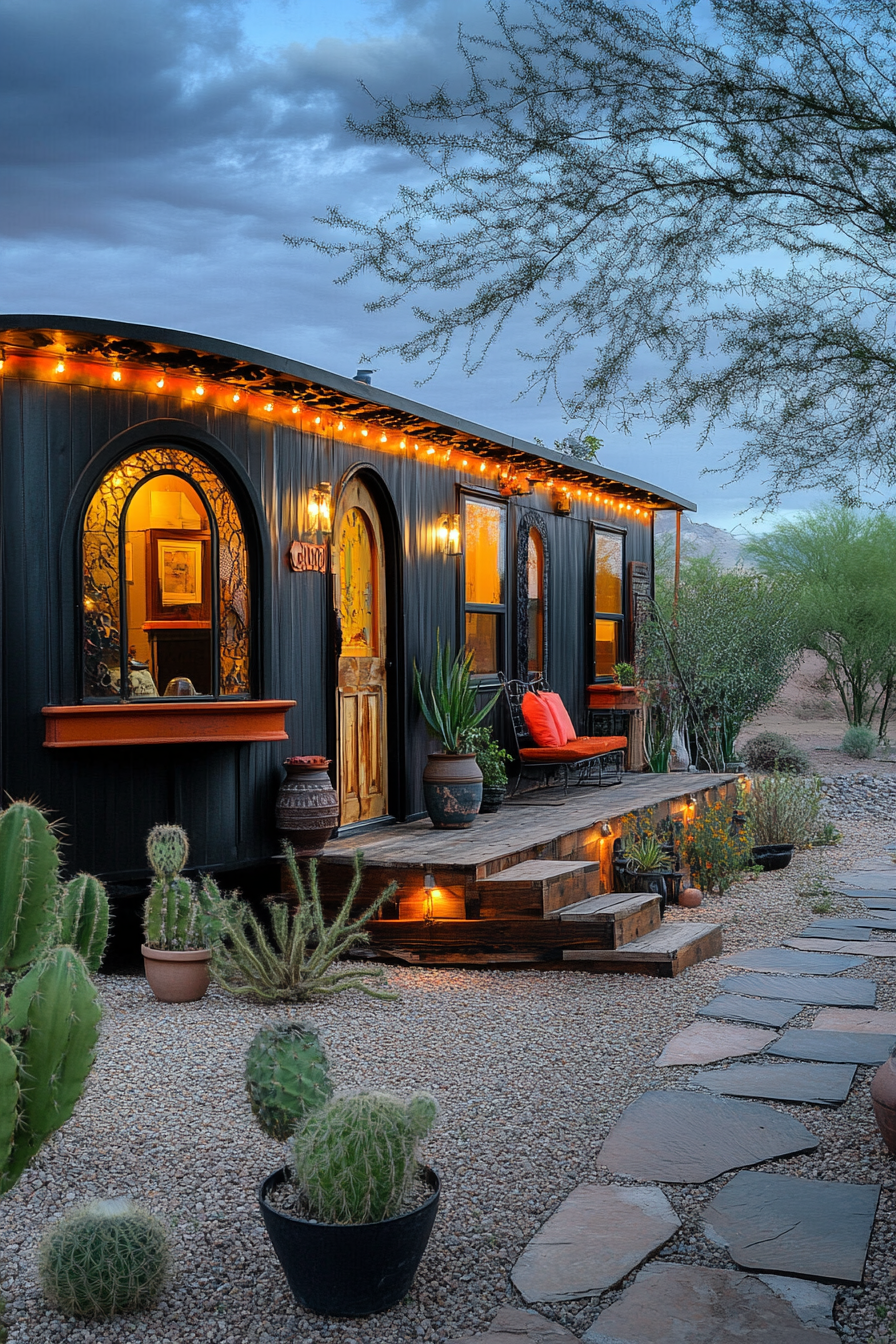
(361, 681)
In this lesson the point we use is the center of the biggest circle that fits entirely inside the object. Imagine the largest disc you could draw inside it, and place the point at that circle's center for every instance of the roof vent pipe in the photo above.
(364, 376)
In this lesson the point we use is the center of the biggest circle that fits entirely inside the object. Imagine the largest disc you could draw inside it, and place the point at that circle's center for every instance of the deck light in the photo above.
(319, 512)
(448, 533)
(431, 891)
(606, 829)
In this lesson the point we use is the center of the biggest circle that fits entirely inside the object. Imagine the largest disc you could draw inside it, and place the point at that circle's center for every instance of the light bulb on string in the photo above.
(340, 425)
(269, 405)
(60, 366)
(295, 410)
(116, 374)
(363, 433)
(430, 451)
(317, 419)
(200, 390)
(160, 382)
(236, 397)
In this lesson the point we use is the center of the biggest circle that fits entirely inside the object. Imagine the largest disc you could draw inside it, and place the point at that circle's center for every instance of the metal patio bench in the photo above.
(592, 760)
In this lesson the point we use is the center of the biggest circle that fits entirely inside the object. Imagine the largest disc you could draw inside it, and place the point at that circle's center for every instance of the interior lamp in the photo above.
(319, 512)
(448, 533)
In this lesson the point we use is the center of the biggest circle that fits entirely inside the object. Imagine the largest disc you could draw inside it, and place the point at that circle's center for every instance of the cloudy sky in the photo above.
(155, 152)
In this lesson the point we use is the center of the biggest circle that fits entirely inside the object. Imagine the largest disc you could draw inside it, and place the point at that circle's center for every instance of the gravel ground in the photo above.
(530, 1070)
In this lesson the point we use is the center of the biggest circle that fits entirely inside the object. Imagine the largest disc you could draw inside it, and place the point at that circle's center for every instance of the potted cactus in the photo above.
(350, 1215)
(176, 920)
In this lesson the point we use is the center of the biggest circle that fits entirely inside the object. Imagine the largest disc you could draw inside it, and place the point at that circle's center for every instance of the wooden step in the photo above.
(425, 936)
(666, 951)
(536, 888)
(627, 915)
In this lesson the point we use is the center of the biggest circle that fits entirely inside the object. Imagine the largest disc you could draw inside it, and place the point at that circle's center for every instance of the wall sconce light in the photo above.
(606, 829)
(561, 501)
(319, 513)
(448, 533)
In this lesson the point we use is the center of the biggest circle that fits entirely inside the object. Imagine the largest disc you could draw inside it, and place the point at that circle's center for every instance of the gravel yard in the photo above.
(530, 1069)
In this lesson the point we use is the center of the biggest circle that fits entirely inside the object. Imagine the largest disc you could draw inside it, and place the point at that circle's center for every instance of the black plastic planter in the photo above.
(770, 857)
(351, 1270)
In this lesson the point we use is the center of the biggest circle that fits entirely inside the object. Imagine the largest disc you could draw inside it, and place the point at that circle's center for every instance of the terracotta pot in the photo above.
(177, 977)
(690, 898)
(307, 806)
(883, 1099)
(452, 790)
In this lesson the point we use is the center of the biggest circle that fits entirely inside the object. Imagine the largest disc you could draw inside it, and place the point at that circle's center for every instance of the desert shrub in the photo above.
(783, 810)
(772, 751)
(715, 850)
(860, 742)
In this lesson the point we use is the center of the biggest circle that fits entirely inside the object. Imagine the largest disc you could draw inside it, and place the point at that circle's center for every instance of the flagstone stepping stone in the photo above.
(514, 1325)
(875, 947)
(795, 963)
(762, 1012)
(813, 1302)
(878, 902)
(690, 1304)
(854, 932)
(806, 989)
(883, 921)
(793, 1226)
(704, 1042)
(816, 1084)
(685, 1137)
(855, 1019)
(834, 1047)
(859, 880)
(599, 1234)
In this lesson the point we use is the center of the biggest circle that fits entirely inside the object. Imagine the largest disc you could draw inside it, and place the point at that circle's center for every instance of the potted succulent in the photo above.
(350, 1215)
(491, 758)
(176, 919)
(452, 781)
(624, 674)
(647, 864)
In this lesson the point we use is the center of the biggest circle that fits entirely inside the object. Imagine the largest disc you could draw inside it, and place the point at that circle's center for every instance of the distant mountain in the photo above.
(702, 539)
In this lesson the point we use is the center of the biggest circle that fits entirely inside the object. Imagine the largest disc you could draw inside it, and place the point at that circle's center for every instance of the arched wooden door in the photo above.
(361, 678)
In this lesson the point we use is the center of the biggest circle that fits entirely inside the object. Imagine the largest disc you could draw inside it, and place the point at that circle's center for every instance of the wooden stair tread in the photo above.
(666, 951)
(615, 905)
(537, 870)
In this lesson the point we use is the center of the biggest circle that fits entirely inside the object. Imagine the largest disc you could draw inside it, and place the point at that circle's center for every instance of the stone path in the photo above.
(768, 1222)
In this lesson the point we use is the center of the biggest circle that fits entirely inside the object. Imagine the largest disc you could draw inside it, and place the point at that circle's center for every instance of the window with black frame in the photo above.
(608, 592)
(484, 583)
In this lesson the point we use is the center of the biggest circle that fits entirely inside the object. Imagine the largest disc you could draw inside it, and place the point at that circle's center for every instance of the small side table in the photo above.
(614, 711)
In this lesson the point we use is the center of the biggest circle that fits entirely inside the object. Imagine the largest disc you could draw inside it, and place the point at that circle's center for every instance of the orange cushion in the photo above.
(561, 718)
(580, 749)
(540, 721)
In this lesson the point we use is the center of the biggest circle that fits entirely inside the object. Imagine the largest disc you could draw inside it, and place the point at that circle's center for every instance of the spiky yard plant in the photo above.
(104, 1257)
(287, 1076)
(356, 1157)
(298, 962)
(647, 856)
(448, 702)
(177, 912)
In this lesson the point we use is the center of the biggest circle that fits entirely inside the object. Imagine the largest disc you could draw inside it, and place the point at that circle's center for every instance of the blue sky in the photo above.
(155, 152)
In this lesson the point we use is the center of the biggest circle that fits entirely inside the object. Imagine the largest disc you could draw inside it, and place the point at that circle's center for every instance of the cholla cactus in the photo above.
(287, 1076)
(355, 1158)
(104, 1257)
(175, 914)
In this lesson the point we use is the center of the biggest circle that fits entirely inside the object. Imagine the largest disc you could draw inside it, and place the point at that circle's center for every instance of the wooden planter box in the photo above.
(133, 725)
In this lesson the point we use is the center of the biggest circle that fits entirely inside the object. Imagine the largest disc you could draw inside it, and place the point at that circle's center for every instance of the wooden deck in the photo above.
(525, 885)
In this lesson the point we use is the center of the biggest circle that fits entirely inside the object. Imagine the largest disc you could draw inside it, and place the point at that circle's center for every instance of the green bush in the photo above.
(772, 751)
(715, 851)
(104, 1257)
(783, 810)
(859, 742)
(490, 757)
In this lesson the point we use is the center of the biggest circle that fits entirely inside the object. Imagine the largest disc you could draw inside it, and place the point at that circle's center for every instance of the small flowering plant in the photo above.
(714, 850)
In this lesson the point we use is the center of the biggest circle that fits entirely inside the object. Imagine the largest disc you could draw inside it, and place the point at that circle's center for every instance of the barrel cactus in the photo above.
(287, 1075)
(356, 1157)
(174, 918)
(104, 1257)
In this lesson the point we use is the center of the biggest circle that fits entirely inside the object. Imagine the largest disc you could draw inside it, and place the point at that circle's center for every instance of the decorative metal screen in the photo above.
(102, 569)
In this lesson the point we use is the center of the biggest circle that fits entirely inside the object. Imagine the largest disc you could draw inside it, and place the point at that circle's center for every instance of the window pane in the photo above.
(535, 597)
(607, 572)
(484, 552)
(357, 586)
(482, 641)
(606, 644)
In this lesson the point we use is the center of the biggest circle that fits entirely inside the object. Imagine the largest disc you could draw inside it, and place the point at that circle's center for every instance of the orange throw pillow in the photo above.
(540, 721)
(561, 717)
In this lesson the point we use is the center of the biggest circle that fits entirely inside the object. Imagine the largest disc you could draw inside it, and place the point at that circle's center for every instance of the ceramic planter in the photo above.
(177, 977)
(349, 1270)
(492, 797)
(883, 1099)
(452, 790)
(770, 857)
(307, 807)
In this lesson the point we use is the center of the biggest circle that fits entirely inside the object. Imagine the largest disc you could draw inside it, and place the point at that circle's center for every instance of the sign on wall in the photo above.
(308, 557)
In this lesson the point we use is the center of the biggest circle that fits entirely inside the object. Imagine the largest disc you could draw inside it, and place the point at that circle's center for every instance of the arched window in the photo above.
(165, 592)
(532, 571)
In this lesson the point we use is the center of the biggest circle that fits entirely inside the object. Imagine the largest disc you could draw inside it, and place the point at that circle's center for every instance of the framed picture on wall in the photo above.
(178, 576)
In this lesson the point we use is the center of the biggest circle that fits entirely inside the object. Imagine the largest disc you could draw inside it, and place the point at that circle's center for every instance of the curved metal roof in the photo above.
(242, 366)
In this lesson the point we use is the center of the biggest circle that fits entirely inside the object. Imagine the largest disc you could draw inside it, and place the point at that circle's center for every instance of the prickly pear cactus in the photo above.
(50, 1023)
(287, 1075)
(167, 848)
(84, 919)
(355, 1158)
(29, 885)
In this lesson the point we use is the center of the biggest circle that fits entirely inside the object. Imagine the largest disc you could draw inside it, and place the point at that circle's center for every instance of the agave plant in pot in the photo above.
(350, 1214)
(452, 780)
(176, 921)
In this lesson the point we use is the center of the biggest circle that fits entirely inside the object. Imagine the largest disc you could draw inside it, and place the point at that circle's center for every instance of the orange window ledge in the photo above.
(135, 725)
